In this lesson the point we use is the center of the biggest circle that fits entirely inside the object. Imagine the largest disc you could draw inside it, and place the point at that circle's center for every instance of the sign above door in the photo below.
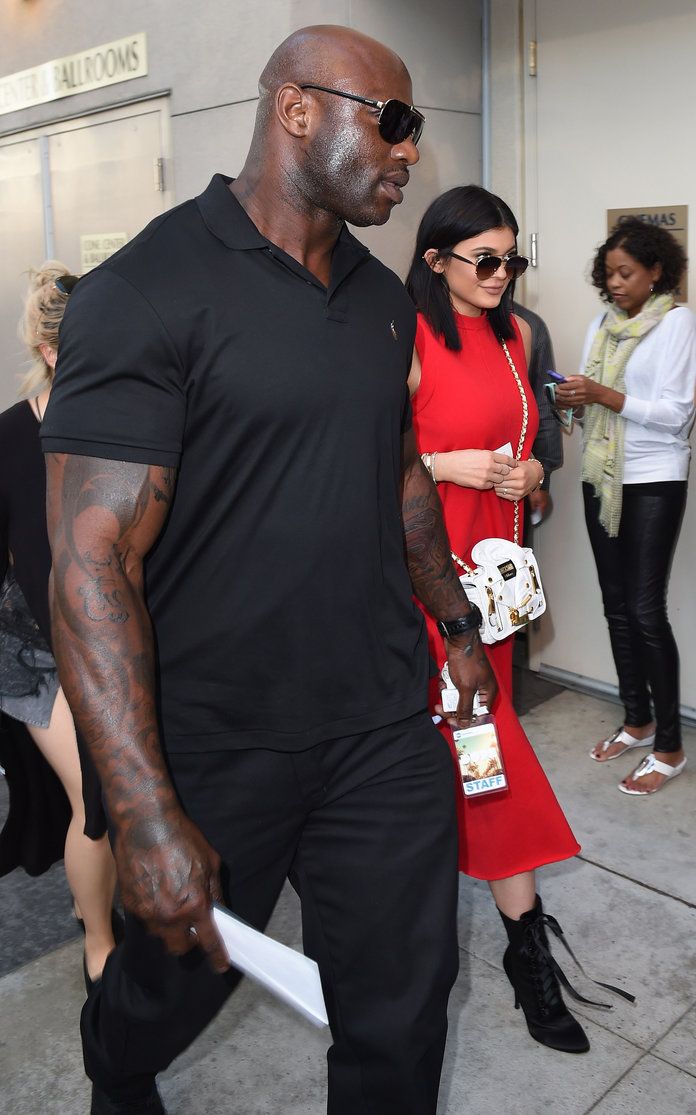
(108, 64)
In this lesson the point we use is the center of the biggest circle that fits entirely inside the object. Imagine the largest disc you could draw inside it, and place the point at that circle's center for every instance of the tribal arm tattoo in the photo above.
(103, 518)
(436, 583)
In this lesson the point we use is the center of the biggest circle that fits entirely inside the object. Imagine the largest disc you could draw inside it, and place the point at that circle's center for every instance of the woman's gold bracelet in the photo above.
(541, 478)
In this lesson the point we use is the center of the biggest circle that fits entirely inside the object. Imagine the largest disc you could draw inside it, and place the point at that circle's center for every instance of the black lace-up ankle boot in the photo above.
(532, 971)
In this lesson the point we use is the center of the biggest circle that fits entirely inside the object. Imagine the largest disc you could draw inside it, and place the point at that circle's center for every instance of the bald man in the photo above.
(238, 520)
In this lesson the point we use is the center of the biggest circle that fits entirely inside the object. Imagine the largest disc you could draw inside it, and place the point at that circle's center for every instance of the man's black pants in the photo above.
(365, 828)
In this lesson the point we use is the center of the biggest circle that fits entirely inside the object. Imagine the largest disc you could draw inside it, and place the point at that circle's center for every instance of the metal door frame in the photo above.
(125, 111)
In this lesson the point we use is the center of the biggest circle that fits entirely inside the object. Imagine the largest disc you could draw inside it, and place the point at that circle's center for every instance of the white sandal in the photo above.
(620, 736)
(650, 764)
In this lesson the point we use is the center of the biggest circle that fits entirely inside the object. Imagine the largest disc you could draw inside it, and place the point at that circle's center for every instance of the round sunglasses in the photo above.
(397, 121)
(486, 266)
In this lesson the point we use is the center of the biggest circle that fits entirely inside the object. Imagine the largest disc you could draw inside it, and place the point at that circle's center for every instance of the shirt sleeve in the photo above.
(119, 388)
(675, 378)
(548, 446)
(589, 338)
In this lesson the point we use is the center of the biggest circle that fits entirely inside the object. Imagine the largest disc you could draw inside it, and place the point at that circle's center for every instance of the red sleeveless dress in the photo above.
(469, 400)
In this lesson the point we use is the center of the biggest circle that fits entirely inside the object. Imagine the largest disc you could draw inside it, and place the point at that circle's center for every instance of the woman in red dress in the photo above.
(470, 422)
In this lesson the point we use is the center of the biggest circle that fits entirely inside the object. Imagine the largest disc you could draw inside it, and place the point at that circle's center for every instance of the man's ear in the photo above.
(434, 260)
(293, 110)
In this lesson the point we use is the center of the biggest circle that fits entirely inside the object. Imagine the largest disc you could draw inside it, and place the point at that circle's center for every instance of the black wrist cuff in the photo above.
(451, 628)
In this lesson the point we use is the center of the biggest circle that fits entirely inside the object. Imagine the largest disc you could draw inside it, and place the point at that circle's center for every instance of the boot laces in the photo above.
(544, 979)
(548, 972)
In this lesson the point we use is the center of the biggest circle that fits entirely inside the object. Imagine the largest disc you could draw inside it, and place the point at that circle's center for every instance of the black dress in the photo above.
(22, 510)
(34, 834)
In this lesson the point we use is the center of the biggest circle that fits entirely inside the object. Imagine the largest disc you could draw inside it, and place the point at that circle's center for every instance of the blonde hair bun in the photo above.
(44, 306)
(48, 272)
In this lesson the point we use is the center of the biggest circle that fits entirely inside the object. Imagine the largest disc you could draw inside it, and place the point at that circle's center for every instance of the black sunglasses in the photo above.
(397, 121)
(487, 266)
(66, 283)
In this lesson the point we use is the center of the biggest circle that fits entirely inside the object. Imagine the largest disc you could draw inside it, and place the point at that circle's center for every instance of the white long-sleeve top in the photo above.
(659, 403)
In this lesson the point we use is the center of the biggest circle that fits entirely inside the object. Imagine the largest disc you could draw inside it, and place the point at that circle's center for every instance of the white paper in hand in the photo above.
(289, 974)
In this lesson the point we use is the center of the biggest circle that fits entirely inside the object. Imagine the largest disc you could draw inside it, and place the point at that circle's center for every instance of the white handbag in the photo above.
(506, 585)
(505, 582)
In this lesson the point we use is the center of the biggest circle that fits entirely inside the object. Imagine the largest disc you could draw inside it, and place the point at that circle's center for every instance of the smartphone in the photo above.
(564, 416)
(550, 389)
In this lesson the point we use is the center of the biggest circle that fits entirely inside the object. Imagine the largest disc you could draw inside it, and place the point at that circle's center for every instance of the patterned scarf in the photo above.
(603, 432)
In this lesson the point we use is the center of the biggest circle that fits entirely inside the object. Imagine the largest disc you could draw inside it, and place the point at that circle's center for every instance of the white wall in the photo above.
(609, 123)
(208, 58)
(441, 45)
(442, 50)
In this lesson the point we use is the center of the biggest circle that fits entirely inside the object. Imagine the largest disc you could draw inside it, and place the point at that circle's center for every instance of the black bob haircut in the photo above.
(648, 244)
(459, 214)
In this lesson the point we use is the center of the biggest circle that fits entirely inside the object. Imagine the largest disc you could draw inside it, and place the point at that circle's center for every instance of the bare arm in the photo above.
(435, 581)
(526, 334)
(103, 518)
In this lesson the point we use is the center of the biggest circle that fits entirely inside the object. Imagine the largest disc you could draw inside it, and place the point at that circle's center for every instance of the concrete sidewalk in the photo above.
(627, 906)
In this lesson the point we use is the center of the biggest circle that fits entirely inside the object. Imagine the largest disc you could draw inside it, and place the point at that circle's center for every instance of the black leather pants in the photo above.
(633, 571)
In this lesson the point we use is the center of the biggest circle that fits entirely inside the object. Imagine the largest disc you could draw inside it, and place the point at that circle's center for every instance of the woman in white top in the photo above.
(638, 389)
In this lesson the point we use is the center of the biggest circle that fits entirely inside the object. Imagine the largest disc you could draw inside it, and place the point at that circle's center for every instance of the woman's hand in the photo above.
(525, 479)
(579, 391)
(474, 468)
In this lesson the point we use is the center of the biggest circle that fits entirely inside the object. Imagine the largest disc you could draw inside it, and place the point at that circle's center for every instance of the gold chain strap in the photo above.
(523, 431)
(518, 455)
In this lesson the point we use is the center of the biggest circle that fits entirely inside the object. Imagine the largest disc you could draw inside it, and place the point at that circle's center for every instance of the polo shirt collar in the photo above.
(347, 255)
(227, 219)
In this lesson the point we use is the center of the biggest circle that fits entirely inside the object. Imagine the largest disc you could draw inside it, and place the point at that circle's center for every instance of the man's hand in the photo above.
(103, 518)
(168, 876)
(540, 501)
(470, 671)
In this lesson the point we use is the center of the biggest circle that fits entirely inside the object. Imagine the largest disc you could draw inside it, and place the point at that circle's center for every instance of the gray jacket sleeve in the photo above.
(548, 446)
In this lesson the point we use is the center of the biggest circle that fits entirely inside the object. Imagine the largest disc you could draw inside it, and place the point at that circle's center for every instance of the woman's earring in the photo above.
(652, 287)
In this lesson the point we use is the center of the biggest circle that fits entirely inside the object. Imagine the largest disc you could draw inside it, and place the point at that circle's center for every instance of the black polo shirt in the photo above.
(278, 590)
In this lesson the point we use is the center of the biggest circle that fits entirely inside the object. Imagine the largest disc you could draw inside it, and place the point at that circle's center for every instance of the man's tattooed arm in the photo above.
(436, 583)
(103, 518)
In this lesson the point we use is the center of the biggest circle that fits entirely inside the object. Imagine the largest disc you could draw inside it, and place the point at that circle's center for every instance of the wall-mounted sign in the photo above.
(122, 60)
(95, 247)
(673, 218)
